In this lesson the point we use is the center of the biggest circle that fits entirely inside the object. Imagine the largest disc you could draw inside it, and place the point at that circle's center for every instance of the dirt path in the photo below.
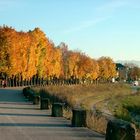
(20, 120)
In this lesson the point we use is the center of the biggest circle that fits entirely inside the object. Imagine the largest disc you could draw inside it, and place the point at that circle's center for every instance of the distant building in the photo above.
(122, 72)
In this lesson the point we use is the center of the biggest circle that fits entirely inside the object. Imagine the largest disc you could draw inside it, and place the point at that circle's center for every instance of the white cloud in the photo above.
(105, 11)
(112, 5)
(85, 25)
(4, 4)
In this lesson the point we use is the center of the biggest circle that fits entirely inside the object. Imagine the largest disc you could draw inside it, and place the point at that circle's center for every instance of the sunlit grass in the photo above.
(117, 99)
(126, 108)
(86, 95)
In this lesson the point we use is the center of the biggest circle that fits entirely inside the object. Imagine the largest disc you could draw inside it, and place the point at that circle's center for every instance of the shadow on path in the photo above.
(11, 95)
(26, 115)
(17, 108)
(33, 125)
(19, 119)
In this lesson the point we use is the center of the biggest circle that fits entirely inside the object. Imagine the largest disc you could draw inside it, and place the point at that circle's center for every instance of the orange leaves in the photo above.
(7, 36)
(31, 53)
(107, 68)
(79, 65)
(73, 61)
(88, 67)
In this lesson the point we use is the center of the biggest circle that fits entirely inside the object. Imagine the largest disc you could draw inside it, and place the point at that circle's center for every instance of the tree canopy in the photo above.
(28, 54)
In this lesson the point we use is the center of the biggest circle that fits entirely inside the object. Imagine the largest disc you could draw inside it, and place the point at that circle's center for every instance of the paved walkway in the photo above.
(20, 120)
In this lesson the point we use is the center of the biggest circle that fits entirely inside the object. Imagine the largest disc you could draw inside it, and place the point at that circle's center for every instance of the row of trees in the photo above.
(133, 72)
(25, 55)
(127, 72)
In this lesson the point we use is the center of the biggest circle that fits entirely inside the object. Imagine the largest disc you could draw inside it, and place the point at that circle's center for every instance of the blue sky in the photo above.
(96, 27)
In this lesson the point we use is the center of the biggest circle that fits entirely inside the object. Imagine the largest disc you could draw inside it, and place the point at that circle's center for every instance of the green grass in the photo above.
(126, 108)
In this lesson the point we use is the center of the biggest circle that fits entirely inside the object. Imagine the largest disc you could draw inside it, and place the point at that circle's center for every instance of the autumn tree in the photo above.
(107, 68)
(30, 55)
(40, 48)
(65, 54)
(53, 62)
(134, 73)
(6, 34)
(73, 61)
(88, 67)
